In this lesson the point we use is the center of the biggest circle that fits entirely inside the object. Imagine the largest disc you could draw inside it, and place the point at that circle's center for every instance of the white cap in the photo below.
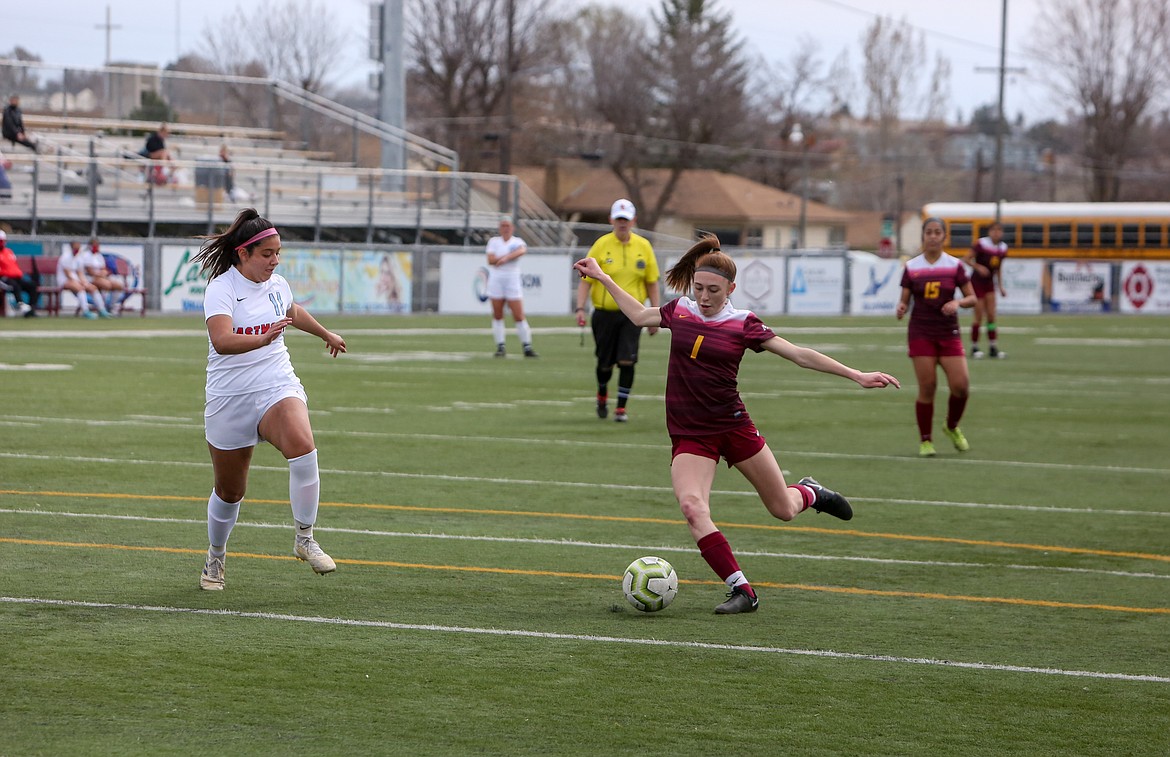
(2, 234)
(623, 209)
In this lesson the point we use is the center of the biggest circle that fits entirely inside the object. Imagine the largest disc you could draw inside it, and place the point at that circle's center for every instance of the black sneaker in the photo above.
(738, 600)
(602, 408)
(529, 352)
(827, 500)
(501, 352)
(994, 352)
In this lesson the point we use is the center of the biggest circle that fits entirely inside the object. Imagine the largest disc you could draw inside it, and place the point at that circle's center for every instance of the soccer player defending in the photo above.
(252, 392)
(706, 418)
(986, 261)
(930, 279)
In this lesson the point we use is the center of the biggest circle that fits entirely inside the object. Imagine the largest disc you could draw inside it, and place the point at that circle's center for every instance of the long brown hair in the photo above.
(703, 254)
(219, 252)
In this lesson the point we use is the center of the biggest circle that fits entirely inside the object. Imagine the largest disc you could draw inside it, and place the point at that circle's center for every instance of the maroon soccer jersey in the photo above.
(702, 377)
(990, 255)
(932, 285)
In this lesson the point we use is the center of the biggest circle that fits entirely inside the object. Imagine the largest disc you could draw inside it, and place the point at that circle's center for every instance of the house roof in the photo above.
(702, 195)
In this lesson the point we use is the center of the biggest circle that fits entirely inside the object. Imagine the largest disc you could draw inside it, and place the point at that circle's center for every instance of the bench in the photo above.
(43, 268)
(132, 278)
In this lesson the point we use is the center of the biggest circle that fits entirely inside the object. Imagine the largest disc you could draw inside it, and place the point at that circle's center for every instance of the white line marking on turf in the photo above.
(663, 490)
(590, 545)
(354, 623)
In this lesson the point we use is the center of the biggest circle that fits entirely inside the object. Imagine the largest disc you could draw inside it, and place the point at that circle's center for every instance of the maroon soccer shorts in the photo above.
(951, 346)
(734, 446)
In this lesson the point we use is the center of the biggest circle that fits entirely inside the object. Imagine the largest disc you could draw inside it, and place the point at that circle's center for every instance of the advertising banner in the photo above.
(875, 284)
(377, 282)
(323, 281)
(816, 286)
(547, 281)
(1081, 286)
(1145, 287)
(760, 285)
(1024, 282)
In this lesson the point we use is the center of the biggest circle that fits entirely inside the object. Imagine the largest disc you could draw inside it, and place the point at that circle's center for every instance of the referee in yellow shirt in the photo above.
(629, 260)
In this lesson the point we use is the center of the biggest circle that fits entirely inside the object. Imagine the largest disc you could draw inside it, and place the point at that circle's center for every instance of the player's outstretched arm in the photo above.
(807, 357)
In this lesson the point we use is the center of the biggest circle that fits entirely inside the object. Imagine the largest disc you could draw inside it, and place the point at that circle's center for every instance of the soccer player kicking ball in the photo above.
(705, 416)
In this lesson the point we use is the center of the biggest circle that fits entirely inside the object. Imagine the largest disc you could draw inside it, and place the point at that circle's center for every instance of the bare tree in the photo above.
(1108, 58)
(297, 41)
(462, 67)
(668, 98)
(894, 56)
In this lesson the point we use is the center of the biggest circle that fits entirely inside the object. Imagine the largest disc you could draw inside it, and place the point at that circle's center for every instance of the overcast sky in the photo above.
(68, 32)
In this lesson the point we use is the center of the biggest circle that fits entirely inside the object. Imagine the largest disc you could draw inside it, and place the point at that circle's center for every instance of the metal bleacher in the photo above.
(87, 172)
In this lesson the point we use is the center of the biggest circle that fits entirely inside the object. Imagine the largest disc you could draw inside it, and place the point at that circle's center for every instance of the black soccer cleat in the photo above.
(738, 600)
(827, 500)
(602, 407)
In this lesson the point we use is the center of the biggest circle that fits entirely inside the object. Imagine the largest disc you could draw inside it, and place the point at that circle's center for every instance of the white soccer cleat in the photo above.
(213, 571)
(310, 551)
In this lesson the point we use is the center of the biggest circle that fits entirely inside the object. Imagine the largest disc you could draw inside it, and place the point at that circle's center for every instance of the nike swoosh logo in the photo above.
(241, 299)
(680, 315)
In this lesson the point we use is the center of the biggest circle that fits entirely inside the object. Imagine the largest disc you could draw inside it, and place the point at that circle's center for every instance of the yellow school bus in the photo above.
(1077, 230)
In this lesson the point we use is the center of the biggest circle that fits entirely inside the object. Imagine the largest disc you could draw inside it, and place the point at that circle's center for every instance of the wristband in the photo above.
(579, 310)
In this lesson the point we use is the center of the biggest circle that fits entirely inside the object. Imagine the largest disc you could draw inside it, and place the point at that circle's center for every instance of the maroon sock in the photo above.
(974, 334)
(955, 407)
(925, 413)
(807, 495)
(717, 552)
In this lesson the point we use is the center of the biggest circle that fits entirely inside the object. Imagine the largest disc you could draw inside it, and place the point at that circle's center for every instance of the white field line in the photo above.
(665, 491)
(913, 460)
(588, 638)
(648, 549)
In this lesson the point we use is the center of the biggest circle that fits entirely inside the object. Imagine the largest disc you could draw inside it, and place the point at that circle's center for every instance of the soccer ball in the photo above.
(650, 584)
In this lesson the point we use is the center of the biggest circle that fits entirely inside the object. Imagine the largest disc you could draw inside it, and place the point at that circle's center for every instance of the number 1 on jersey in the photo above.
(695, 349)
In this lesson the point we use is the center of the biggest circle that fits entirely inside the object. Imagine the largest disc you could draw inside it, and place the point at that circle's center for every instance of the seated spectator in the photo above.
(17, 280)
(13, 125)
(229, 176)
(5, 184)
(97, 270)
(156, 149)
(71, 276)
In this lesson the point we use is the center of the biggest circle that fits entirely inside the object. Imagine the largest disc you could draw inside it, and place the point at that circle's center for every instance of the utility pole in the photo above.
(1002, 69)
(109, 28)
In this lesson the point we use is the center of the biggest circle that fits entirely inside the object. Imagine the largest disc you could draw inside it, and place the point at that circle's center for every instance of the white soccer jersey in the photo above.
(90, 260)
(498, 247)
(253, 308)
(70, 262)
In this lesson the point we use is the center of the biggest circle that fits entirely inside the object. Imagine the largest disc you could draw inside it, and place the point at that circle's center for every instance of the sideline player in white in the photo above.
(72, 277)
(504, 284)
(252, 392)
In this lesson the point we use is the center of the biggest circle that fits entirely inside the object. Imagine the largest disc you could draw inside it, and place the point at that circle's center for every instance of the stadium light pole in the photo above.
(797, 138)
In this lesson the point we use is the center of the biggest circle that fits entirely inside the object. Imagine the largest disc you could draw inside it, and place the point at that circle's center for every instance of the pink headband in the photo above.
(262, 235)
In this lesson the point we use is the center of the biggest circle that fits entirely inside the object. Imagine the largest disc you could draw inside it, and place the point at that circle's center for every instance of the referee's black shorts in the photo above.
(616, 338)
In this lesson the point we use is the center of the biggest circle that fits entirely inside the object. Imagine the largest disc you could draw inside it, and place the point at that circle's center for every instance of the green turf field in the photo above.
(1014, 600)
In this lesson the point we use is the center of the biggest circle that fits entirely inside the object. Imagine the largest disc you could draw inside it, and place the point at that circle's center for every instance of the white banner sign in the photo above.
(875, 284)
(760, 285)
(547, 281)
(1024, 282)
(1145, 287)
(816, 286)
(1081, 287)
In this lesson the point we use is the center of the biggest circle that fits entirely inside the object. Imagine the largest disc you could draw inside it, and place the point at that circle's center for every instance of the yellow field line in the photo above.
(595, 576)
(631, 519)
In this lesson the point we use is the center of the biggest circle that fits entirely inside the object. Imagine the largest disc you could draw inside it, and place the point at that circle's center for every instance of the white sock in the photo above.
(524, 333)
(83, 300)
(735, 579)
(221, 516)
(304, 491)
(498, 330)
